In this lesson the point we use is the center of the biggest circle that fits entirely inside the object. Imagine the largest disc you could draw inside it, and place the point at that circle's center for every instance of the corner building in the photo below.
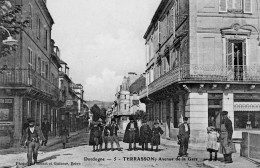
(202, 58)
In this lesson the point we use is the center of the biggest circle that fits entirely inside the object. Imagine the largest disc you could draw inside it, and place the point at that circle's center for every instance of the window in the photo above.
(45, 43)
(125, 96)
(247, 119)
(30, 62)
(39, 67)
(38, 27)
(244, 6)
(46, 70)
(31, 16)
(43, 68)
(177, 12)
(125, 106)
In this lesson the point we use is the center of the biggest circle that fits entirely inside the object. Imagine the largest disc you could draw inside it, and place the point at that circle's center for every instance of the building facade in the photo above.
(202, 58)
(29, 76)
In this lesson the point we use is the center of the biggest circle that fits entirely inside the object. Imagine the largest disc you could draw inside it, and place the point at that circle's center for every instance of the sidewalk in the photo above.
(9, 157)
(201, 154)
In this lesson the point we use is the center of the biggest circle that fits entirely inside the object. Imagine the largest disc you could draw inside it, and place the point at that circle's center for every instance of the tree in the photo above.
(96, 112)
(12, 19)
(140, 114)
(103, 113)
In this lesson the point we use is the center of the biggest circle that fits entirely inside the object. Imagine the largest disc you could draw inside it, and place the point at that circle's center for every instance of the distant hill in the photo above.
(99, 103)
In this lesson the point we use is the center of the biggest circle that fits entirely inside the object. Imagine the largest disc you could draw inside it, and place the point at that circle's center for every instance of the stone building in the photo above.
(29, 76)
(202, 58)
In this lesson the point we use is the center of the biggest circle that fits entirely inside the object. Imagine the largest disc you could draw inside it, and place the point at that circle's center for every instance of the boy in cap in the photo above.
(145, 135)
(183, 136)
(32, 137)
(113, 134)
(156, 131)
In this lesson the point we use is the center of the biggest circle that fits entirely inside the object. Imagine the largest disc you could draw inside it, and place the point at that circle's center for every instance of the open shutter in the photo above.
(230, 54)
(244, 53)
(247, 6)
(222, 5)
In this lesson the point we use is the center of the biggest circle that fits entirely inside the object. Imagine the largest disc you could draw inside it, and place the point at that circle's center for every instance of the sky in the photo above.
(101, 41)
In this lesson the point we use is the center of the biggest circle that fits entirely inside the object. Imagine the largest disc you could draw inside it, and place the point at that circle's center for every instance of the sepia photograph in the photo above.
(130, 83)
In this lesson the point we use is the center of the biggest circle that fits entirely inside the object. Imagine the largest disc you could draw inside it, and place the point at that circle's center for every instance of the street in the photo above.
(79, 154)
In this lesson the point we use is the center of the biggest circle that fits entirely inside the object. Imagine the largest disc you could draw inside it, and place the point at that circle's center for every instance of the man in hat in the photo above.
(183, 136)
(145, 135)
(226, 131)
(32, 137)
(46, 128)
(156, 138)
(131, 134)
(113, 134)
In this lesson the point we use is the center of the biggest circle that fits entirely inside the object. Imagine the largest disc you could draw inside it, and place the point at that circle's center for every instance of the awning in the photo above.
(246, 106)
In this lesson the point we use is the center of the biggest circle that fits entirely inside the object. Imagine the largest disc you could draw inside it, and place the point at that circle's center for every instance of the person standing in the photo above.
(183, 136)
(113, 134)
(46, 128)
(95, 139)
(131, 134)
(212, 145)
(32, 137)
(226, 137)
(145, 135)
(64, 134)
(107, 137)
(156, 138)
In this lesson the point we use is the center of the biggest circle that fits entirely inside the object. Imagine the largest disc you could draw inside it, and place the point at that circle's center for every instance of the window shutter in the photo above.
(222, 5)
(229, 55)
(247, 6)
(244, 53)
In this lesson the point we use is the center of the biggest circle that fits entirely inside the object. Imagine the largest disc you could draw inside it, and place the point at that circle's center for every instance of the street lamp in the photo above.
(258, 38)
(10, 40)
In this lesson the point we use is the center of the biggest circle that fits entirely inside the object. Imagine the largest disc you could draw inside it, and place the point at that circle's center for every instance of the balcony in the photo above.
(23, 78)
(206, 73)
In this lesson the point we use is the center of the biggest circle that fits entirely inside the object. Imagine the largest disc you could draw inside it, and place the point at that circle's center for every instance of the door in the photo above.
(236, 59)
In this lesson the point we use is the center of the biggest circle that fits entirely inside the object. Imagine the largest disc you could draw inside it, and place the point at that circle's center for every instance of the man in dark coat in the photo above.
(95, 139)
(46, 128)
(131, 134)
(183, 136)
(31, 138)
(156, 138)
(145, 135)
(226, 136)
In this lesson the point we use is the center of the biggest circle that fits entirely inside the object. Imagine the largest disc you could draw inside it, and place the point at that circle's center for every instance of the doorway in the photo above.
(236, 59)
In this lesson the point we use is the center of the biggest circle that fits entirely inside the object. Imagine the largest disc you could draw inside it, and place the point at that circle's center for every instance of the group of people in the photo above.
(220, 140)
(108, 133)
(34, 136)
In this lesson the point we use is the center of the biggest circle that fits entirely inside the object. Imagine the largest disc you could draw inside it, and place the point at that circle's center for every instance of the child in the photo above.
(107, 135)
(212, 145)
(156, 131)
(95, 138)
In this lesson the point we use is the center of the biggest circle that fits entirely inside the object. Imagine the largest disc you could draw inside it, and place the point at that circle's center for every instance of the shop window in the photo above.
(247, 119)
(214, 108)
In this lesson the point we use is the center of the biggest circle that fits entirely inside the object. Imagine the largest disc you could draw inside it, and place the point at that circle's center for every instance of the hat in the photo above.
(224, 112)
(131, 118)
(185, 119)
(210, 128)
(45, 118)
(156, 122)
(113, 120)
(30, 120)
(99, 120)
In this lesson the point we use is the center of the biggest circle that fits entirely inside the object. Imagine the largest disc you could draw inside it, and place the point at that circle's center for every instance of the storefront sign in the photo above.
(246, 96)
(246, 106)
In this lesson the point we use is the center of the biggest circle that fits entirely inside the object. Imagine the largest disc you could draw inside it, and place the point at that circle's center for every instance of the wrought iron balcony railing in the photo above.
(27, 78)
(205, 73)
